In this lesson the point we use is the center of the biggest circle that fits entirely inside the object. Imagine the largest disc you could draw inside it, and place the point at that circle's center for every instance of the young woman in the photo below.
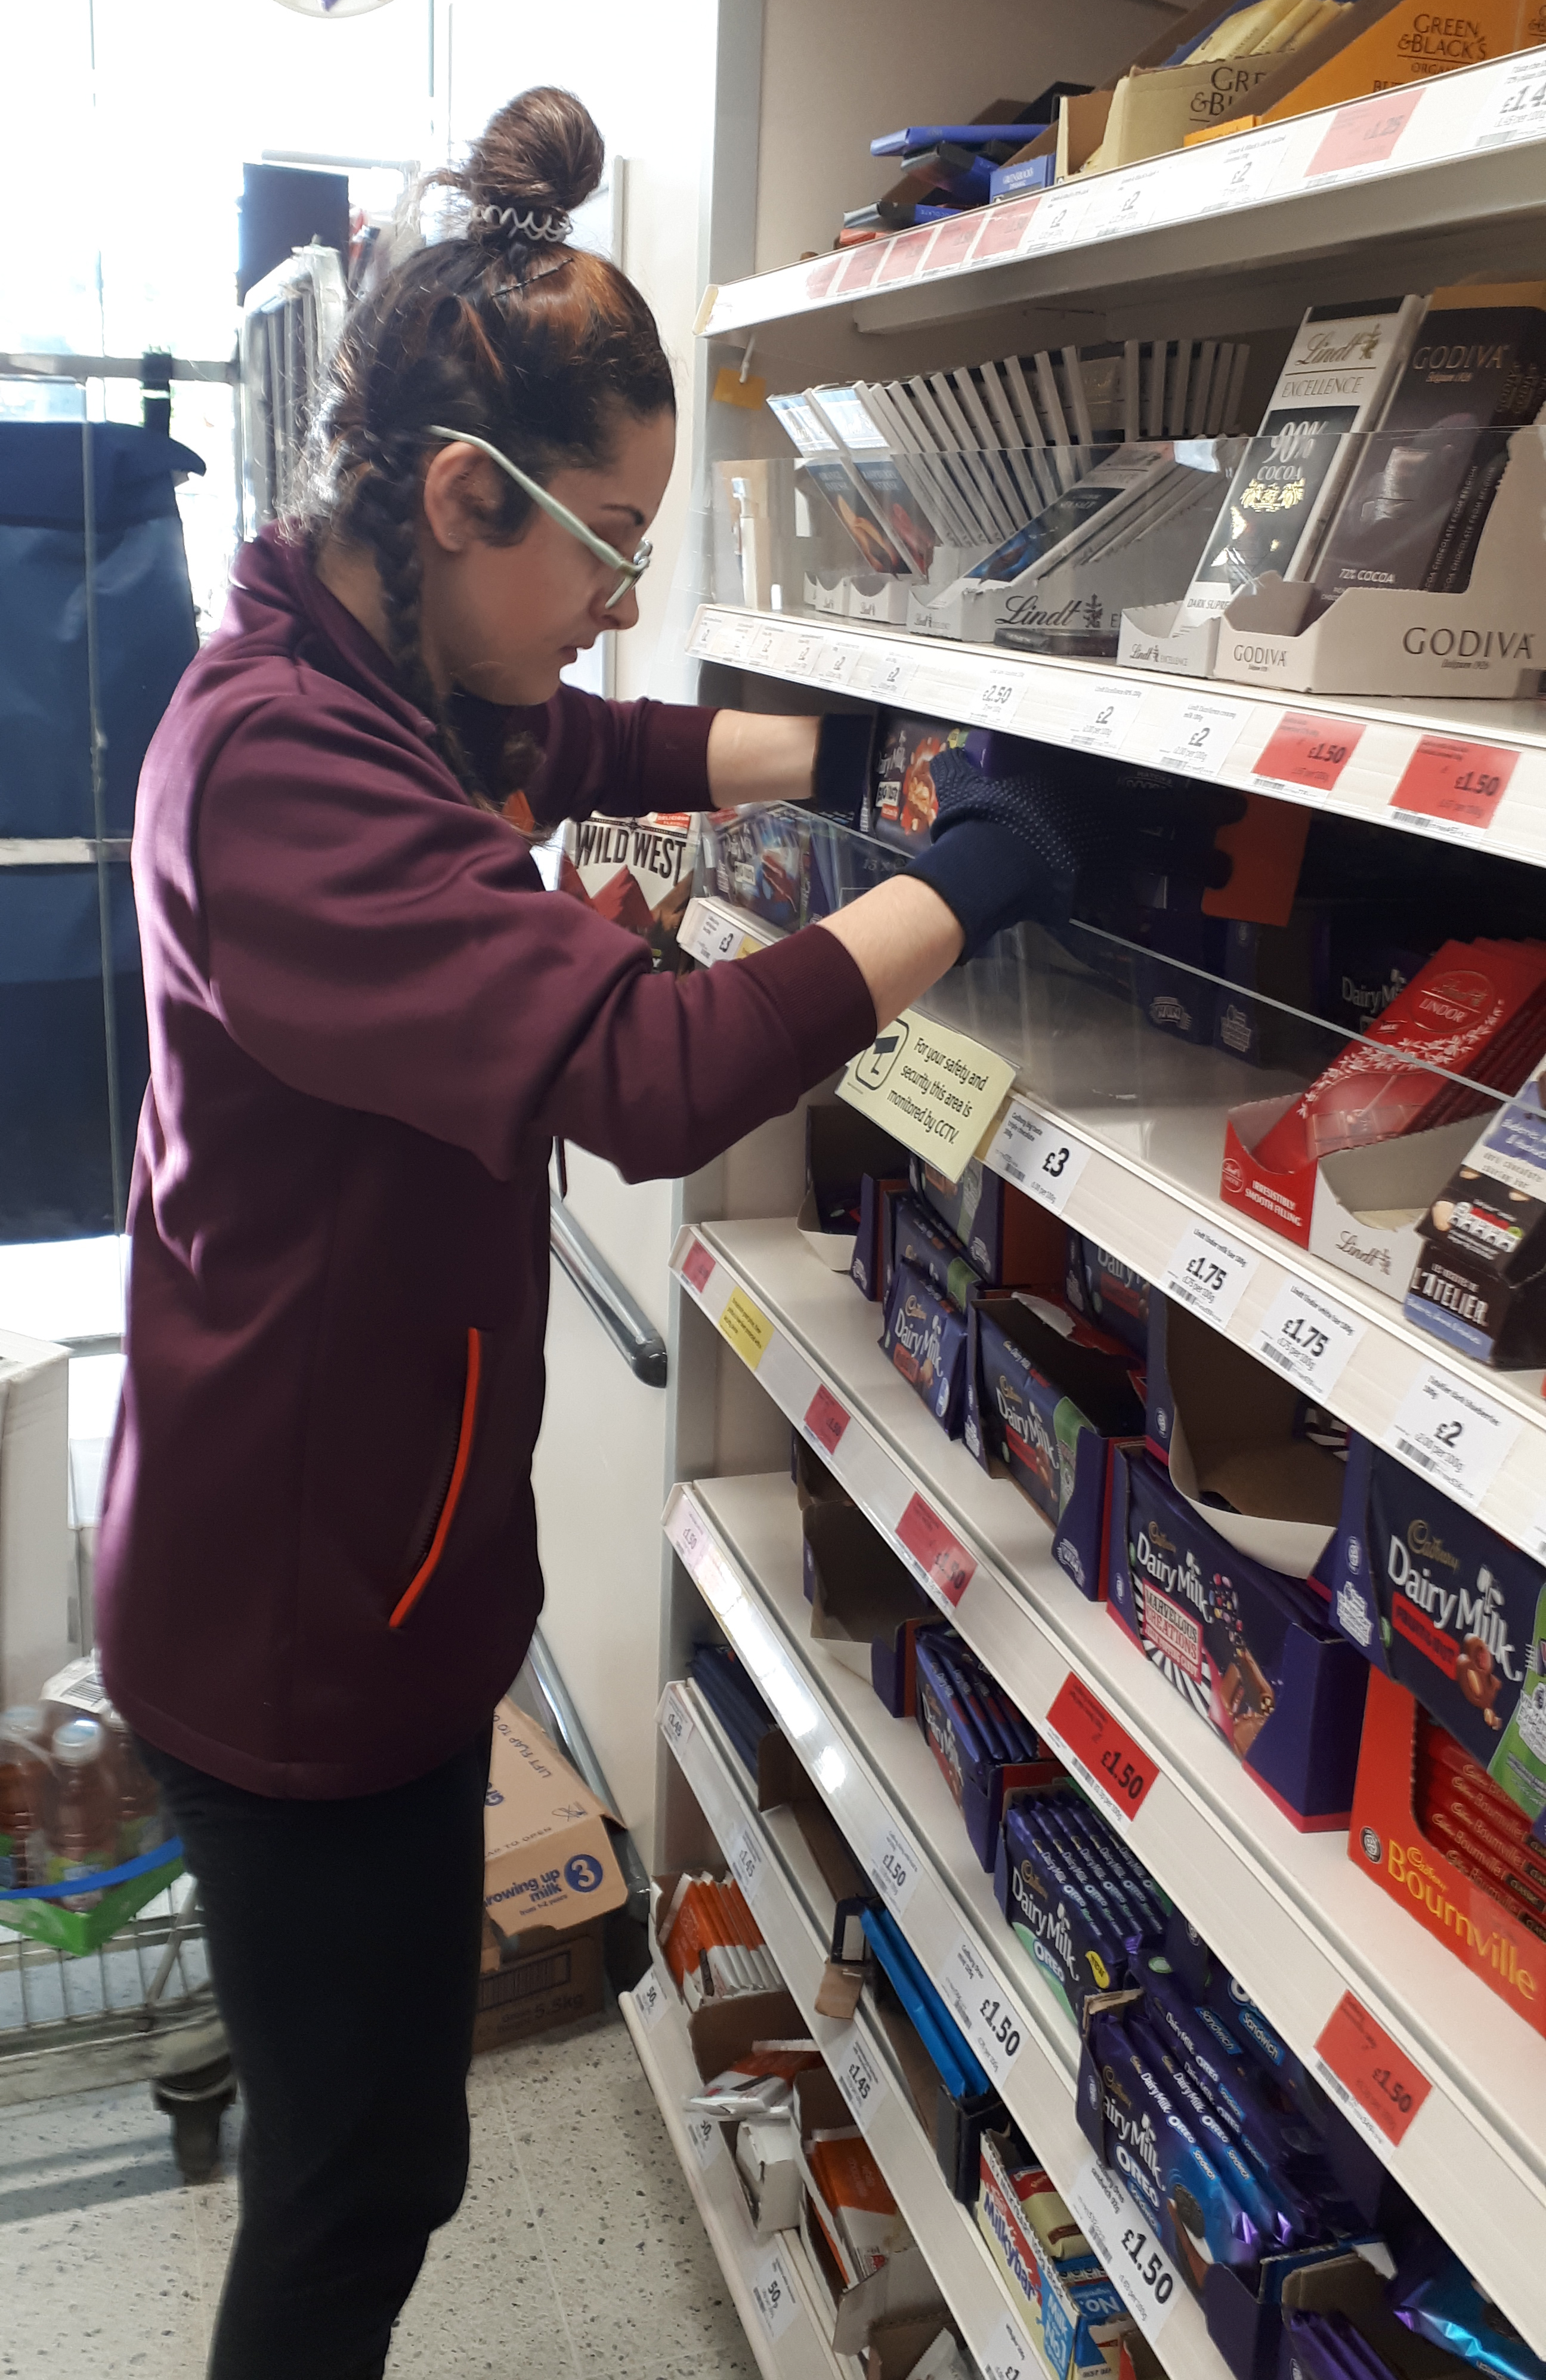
(319, 1568)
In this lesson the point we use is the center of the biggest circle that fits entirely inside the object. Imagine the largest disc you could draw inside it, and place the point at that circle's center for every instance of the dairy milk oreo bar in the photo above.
(1273, 2221)
(1171, 2174)
(926, 1339)
(1452, 1611)
(1074, 1946)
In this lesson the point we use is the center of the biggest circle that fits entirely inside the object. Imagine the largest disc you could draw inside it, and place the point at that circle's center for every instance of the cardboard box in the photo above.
(552, 1979)
(1378, 47)
(1490, 639)
(769, 2175)
(842, 1148)
(978, 1781)
(905, 2284)
(897, 2345)
(1480, 1283)
(548, 1858)
(1077, 2341)
(1012, 1241)
(1387, 1842)
(1149, 638)
(1360, 1209)
(865, 1605)
(1153, 107)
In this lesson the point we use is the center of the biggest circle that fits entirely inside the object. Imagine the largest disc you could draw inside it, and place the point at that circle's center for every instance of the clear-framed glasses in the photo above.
(629, 573)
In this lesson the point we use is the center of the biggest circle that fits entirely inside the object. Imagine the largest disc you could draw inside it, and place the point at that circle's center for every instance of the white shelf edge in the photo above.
(1055, 701)
(1287, 1912)
(1139, 1214)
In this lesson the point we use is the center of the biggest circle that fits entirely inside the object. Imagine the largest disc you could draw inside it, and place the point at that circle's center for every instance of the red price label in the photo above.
(904, 254)
(859, 270)
(1005, 228)
(1104, 1749)
(939, 1555)
(697, 1266)
(822, 274)
(953, 242)
(1463, 783)
(1304, 751)
(1365, 133)
(1374, 2070)
(826, 1419)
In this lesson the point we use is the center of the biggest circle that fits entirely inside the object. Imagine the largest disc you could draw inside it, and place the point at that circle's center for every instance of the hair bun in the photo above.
(537, 159)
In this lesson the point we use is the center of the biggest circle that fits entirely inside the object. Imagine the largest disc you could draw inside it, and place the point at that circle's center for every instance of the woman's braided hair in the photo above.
(504, 332)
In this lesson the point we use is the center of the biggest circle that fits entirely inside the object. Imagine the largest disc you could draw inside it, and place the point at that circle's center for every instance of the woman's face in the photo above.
(501, 621)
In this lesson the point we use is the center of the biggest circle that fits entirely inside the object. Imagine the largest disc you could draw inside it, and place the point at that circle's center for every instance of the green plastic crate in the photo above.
(80, 1930)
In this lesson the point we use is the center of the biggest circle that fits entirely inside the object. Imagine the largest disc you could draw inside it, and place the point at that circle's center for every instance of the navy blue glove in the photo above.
(1033, 839)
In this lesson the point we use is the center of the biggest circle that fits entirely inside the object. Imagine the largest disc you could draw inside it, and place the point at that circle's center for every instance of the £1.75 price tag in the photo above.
(1307, 753)
(1453, 1435)
(859, 2079)
(1102, 721)
(1008, 2356)
(1307, 1337)
(988, 2017)
(1200, 739)
(1098, 1748)
(1207, 1272)
(1037, 1157)
(895, 1868)
(1368, 2074)
(1449, 787)
(1124, 2241)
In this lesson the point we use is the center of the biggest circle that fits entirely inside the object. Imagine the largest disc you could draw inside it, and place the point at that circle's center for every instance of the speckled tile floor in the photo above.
(577, 2254)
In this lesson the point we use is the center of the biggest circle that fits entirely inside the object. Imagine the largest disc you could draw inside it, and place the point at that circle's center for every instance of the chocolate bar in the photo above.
(923, 1243)
(1275, 2224)
(1109, 1292)
(1197, 2214)
(1480, 1282)
(926, 1339)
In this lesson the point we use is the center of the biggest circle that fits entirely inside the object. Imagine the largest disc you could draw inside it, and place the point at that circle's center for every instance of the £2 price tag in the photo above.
(1453, 1435)
(1098, 1748)
(1368, 2074)
(1102, 721)
(1037, 1157)
(1207, 1272)
(1451, 787)
(1199, 741)
(1307, 1337)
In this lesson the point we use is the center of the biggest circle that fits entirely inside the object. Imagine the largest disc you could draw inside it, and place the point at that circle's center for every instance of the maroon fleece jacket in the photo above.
(318, 1569)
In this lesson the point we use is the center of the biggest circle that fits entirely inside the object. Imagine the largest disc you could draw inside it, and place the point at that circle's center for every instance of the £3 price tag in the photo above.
(1307, 1337)
(989, 2019)
(1369, 2076)
(859, 2079)
(1450, 787)
(1453, 1435)
(1098, 1748)
(1037, 1157)
(1207, 1272)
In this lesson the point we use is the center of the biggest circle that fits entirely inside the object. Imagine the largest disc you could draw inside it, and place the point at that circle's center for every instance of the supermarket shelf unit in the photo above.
(1287, 1912)
(773, 2293)
(781, 1882)
(1111, 1188)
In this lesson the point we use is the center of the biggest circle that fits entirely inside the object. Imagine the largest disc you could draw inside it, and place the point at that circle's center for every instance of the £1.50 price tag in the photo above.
(1098, 1748)
(1207, 1272)
(827, 1419)
(1368, 2074)
(1200, 739)
(895, 1868)
(1453, 1435)
(773, 2295)
(1037, 1157)
(988, 2017)
(1124, 2241)
(1307, 1337)
(946, 1566)
(1305, 752)
(1448, 787)
(1008, 2356)
(859, 2079)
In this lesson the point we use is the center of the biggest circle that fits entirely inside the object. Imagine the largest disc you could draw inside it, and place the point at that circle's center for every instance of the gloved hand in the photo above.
(1048, 828)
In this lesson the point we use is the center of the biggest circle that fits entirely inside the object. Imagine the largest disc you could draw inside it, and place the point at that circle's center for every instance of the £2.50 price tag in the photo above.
(1448, 787)
(1207, 1272)
(995, 700)
(988, 2017)
(1124, 2241)
(859, 2079)
(1102, 721)
(1369, 2076)
(1307, 1337)
(1037, 1157)
(1098, 1748)
(1305, 752)
(895, 1868)
(1452, 1434)
(1200, 739)
(1008, 2355)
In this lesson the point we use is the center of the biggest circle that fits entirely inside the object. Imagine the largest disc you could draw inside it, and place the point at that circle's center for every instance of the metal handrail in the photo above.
(625, 1321)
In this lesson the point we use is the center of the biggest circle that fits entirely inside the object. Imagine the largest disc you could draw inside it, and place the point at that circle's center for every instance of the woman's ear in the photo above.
(460, 497)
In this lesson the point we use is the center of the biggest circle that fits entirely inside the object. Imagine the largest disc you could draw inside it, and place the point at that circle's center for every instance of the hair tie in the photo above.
(539, 224)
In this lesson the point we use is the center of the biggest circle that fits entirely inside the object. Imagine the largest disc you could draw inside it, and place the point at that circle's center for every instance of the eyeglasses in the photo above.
(629, 573)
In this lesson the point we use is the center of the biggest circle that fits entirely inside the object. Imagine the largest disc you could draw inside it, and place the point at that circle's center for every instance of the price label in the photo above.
(748, 1864)
(989, 2020)
(1370, 2076)
(1005, 229)
(1535, 1534)
(1448, 784)
(1008, 2356)
(890, 676)
(688, 1532)
(704, 2134)
(649, 2002)
(1200, 739)
(1098, 1748)
(859, 2079)
(1307, 1337)
(703, 635)
(676, 1720)
(1307, 753)
(746, 1326)
(836, 662)
(947, 1566)
(773, 2295)
(896, 1868)
(826, 1419)
(761, 649)
(1037, 1157)
(806, 653)
(1124, 2241)
(697, 1266)
(1207, 1272)
(1244, 170)
(1118, 203)
(1363, 134)
(1452, 1434)
(1104, 719)
(1519, 111)
(995, 700)
(952, 244)
(1058, 221)
(717, 939)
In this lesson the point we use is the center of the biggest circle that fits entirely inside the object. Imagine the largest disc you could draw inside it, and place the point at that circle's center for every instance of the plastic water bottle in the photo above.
(142, 1819)
(82, 1808)
(23, 1791)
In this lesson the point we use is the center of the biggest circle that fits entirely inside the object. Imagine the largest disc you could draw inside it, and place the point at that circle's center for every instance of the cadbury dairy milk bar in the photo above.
(1166, 2167)
(1273, 2221)
(926, 1339)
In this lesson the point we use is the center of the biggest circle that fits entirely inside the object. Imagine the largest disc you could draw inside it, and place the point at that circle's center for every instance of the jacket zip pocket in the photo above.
(465, 1436)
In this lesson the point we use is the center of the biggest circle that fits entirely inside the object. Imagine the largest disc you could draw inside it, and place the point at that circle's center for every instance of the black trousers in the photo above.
(344, 1941)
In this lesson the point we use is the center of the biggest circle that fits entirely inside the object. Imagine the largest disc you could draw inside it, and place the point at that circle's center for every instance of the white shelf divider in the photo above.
(1288, 1912)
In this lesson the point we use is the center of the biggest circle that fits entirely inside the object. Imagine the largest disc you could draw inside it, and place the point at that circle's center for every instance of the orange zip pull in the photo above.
(428, 1567)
